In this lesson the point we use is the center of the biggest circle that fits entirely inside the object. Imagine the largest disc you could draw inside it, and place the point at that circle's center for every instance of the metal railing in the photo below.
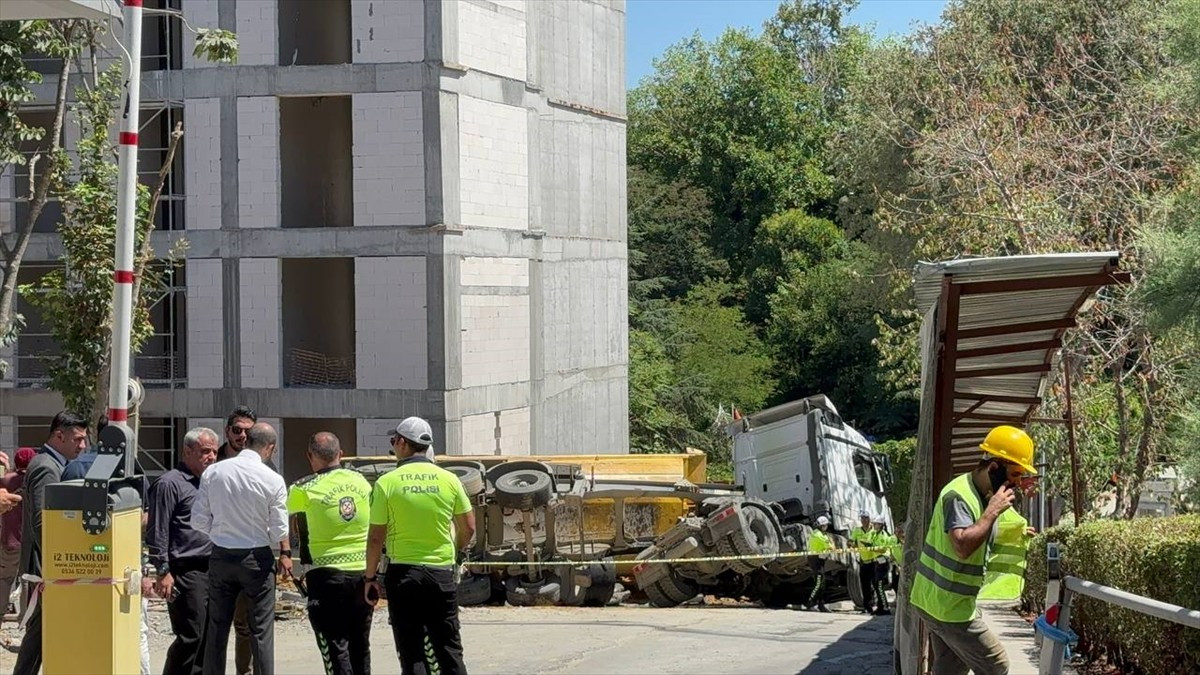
(1054, 650)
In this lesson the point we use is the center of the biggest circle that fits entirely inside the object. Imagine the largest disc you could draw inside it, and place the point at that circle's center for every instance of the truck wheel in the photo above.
(759, 535)
(604, 583)
(494, 473)
(470, 477)
(671, 591)
(523, 489)
(463, 462)
(523, 593)
(853, 585)
(474, 590)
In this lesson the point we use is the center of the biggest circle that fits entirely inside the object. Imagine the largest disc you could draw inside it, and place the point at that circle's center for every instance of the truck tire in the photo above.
(604, 583)
(470, 477)
(523, 489)
(475, 589)
(493, 474)
(854, 585)
(759, 535)
(671, 591)
(524, 593)
(463, 462)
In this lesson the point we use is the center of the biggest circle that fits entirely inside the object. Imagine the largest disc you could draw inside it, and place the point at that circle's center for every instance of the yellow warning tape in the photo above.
(667, 561)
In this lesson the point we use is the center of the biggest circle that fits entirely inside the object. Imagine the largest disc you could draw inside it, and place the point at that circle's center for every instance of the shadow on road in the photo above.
(864, 650)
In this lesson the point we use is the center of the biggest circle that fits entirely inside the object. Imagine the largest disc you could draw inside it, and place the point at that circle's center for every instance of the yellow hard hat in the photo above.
(1010, 444)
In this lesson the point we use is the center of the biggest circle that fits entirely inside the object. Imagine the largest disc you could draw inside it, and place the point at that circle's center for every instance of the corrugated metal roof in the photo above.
(984, 312)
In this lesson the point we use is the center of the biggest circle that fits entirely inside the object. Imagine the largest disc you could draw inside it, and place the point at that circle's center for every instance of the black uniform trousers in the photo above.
(230, 573)
(188, 610)
(341, 620)
(423, 608)
(866, 580)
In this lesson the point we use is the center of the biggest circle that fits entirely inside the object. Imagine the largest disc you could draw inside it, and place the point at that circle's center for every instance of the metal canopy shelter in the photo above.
(991, 334)
(999, 331)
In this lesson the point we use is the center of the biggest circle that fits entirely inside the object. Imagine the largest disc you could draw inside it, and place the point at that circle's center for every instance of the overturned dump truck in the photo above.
(564, 529)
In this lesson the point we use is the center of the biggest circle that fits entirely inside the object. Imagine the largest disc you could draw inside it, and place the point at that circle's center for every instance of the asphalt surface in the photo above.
(623, 639)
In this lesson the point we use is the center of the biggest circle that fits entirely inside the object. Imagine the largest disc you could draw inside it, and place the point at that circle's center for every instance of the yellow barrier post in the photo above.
(91, 567)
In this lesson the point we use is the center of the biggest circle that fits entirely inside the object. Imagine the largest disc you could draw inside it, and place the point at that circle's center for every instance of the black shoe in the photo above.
(823, 608)
(882, 611)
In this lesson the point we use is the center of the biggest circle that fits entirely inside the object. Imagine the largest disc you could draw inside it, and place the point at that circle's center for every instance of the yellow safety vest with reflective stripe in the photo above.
(1004, 578)
(818, 541)
(945, 586)
(862, 540)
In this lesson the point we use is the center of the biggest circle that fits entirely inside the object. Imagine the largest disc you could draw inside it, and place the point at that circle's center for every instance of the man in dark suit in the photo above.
(68, 438)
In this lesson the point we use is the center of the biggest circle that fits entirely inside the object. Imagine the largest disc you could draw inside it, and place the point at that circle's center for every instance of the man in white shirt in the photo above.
(242, 506)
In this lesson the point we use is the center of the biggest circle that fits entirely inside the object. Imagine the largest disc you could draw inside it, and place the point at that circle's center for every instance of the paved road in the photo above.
(627, 639)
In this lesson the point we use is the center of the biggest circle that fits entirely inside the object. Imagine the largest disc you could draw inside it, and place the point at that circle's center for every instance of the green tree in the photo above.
(736, 119)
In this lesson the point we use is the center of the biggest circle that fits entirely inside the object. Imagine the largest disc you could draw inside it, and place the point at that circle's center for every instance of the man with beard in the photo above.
(950, 571)
(178, 553)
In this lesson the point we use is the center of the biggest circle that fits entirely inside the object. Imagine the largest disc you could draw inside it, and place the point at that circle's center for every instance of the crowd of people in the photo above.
(219, 533)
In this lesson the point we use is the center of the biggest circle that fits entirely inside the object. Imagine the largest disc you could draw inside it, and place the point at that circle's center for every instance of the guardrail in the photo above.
(1054, 646)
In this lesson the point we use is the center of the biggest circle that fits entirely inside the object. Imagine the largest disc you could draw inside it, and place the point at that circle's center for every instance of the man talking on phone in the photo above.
(413, 508)
(950, 571)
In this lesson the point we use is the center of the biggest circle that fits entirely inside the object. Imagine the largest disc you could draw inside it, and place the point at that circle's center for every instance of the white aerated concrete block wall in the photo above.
(491, 38)
(389, 159)
(494, 272)
(205, 328)
(479, 434)
(586, 325)
(217, 424)
(8, 437)
(494, 164)
(373, 436)
(387, 31)
(261, 319)
(202, 163)
(495, 339)
(257, 29)
(391, 331)
(8, 190)
(200, 14)
(514, 431)
(258, 161)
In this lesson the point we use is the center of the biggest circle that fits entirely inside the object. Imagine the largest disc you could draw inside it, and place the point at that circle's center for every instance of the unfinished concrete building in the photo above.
(392, 208)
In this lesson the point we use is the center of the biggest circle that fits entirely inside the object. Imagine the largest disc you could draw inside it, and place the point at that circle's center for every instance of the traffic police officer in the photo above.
(413, 508)
(950, 569)
(863, 538)
(818, 541)
(330, 514)
(880, 538)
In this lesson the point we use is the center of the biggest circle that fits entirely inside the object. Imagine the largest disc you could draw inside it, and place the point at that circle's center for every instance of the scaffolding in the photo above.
(162, 361)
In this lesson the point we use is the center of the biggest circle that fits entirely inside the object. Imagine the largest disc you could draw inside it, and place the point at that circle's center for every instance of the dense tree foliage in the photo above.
(789, 180)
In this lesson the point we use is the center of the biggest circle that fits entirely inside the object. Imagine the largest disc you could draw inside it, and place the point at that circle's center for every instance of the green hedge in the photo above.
(1153, 557)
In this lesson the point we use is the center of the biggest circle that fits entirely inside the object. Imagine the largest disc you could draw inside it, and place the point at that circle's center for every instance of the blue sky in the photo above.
(653, 25)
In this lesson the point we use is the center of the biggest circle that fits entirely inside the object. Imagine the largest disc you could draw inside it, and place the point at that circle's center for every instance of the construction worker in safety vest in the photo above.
(863, 538)
(880, 538)
(818, 541)
(950, 569)
(1004, 578)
